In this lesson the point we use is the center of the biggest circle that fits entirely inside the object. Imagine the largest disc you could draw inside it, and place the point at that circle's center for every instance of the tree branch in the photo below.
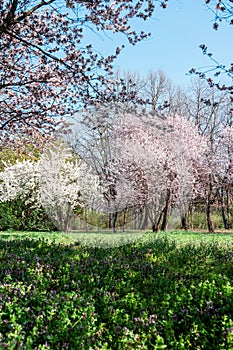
(11, 20)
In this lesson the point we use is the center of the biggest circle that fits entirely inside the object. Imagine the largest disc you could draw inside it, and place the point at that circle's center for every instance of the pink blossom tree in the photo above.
(48, 70)
(148, 163)
(167, 150)
(125, 190)
(223, 174)
(213, 178)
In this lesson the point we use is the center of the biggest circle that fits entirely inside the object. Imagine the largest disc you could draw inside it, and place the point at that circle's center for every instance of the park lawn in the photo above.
(124, 291)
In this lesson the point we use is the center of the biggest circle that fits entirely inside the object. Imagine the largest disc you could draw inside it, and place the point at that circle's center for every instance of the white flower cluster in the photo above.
(57, 182)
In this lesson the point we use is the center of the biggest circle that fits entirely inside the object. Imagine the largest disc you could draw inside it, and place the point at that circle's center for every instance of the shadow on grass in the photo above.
(127, 297)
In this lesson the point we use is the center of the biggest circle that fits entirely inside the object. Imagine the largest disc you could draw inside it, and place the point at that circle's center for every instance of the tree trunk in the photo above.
(155, 226)
(223, 211)
(185, 221)
(224, 218)
(208, 215)
(114, 221)
(124, 219)
(228, 207)
(208, 207)
(110, 221)
(144, 223)
(166, 211)
(86, 218)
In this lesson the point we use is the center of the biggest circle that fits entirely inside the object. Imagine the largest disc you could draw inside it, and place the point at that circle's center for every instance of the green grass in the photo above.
(108, 239)
(116, 291)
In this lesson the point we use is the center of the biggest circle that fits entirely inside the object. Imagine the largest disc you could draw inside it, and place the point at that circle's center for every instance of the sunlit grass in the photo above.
(114, 239)
(116, 291)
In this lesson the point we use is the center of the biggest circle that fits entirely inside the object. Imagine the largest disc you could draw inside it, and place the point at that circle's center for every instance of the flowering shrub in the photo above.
(56, 183)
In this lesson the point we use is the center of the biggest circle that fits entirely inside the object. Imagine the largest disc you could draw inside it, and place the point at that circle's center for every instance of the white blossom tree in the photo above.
(57, 182)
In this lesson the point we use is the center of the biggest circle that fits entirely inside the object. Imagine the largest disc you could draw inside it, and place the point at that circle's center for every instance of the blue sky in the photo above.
(176, 34)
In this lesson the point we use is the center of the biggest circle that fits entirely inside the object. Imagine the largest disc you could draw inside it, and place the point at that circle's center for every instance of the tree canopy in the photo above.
(48, 69)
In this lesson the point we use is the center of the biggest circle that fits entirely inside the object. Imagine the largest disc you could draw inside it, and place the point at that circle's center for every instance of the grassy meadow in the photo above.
(126, 291)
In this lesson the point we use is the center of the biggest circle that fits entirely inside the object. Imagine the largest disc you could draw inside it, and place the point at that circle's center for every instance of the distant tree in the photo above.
(153, 91)
(208, 107)
(9, 155)
(156, 89)
(133, 83)
(48, 70)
